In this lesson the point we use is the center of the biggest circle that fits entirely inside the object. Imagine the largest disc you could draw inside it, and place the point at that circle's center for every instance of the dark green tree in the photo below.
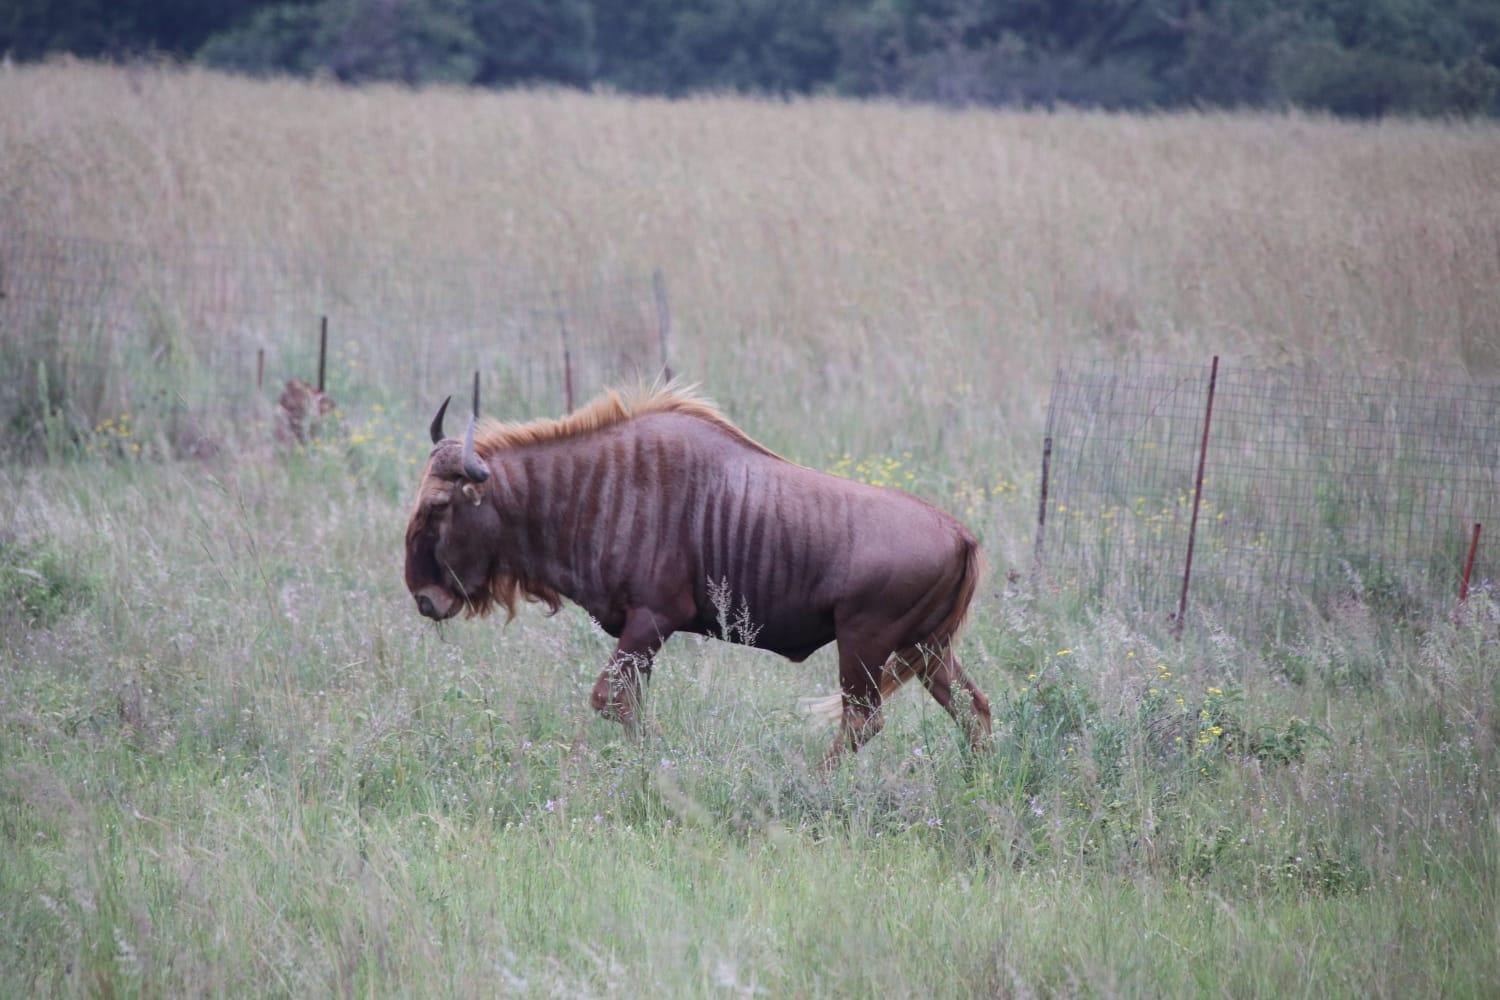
(30, 29)
(410, 41)
(1359, 57)
(536, 41)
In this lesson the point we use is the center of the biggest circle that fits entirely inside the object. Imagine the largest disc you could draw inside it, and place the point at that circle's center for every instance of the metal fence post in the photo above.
(562, 329)
(663, 320)
(1187, 569)
(322, 352)
(1041, 507)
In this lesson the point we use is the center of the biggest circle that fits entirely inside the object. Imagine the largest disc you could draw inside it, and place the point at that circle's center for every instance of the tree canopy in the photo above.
(1356, 57)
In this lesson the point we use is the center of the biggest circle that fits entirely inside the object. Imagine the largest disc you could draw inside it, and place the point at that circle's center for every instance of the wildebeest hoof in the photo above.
(613, 699)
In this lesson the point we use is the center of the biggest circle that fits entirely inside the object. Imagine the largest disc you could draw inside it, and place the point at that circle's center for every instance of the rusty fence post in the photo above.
(1463, 587)
(1041, 507)
(663, 320)
(322, 352)
(1187, 569)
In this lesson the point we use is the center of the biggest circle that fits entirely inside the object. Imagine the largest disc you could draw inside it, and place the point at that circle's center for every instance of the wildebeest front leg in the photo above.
(617, 692)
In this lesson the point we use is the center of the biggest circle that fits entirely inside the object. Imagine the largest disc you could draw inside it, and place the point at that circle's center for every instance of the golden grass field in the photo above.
(874, 237)
(234, 761)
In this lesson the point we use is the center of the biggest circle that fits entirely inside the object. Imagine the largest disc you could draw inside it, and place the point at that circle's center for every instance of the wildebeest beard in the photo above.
(504, 589)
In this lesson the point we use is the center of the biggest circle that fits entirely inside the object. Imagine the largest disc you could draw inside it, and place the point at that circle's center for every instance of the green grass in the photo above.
(240, 763)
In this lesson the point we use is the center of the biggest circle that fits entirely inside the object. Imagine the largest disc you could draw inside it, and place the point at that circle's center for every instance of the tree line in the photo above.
(1353, 57)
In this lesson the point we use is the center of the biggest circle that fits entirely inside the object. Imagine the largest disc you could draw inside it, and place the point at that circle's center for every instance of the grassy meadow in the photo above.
(233, 759)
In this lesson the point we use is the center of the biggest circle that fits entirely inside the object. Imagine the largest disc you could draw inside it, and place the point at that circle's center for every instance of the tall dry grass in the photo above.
(848, 251)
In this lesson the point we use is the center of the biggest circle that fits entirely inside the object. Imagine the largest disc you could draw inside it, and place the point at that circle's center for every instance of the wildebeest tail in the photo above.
(903, 666)
(963, 597)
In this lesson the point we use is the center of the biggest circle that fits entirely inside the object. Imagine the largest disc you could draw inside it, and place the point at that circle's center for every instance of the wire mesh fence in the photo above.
(1317, 487)
(206, 334)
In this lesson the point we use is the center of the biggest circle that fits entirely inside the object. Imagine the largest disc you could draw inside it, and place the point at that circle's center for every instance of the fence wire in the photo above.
(98, 328)
(1318, 488)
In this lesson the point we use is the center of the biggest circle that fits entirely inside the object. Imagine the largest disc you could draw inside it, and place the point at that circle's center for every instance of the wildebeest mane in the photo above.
(609, 408)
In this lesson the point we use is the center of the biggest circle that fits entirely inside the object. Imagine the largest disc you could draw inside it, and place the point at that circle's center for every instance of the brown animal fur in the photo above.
(642, 507)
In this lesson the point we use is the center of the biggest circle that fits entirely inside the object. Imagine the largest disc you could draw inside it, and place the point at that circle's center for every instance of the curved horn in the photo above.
(474, 469)
(437, 421)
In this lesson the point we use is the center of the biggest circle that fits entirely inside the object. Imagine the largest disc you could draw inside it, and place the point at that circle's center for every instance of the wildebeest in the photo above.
(646, 510)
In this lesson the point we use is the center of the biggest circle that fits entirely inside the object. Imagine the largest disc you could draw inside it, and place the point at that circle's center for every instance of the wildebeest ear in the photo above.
(472, 492)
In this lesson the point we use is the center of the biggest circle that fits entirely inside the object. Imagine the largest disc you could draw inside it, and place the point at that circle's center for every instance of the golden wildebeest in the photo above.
(645, 511)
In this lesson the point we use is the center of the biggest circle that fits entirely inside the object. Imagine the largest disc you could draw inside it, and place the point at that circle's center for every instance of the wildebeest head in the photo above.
(455, 543)
(452, 538)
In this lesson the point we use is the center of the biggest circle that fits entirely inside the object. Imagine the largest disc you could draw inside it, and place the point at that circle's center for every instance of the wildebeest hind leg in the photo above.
(970, 709)
(860, 665)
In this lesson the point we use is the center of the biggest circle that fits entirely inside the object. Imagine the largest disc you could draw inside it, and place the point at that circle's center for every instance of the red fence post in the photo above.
(1187, 570)
(1463, 587)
